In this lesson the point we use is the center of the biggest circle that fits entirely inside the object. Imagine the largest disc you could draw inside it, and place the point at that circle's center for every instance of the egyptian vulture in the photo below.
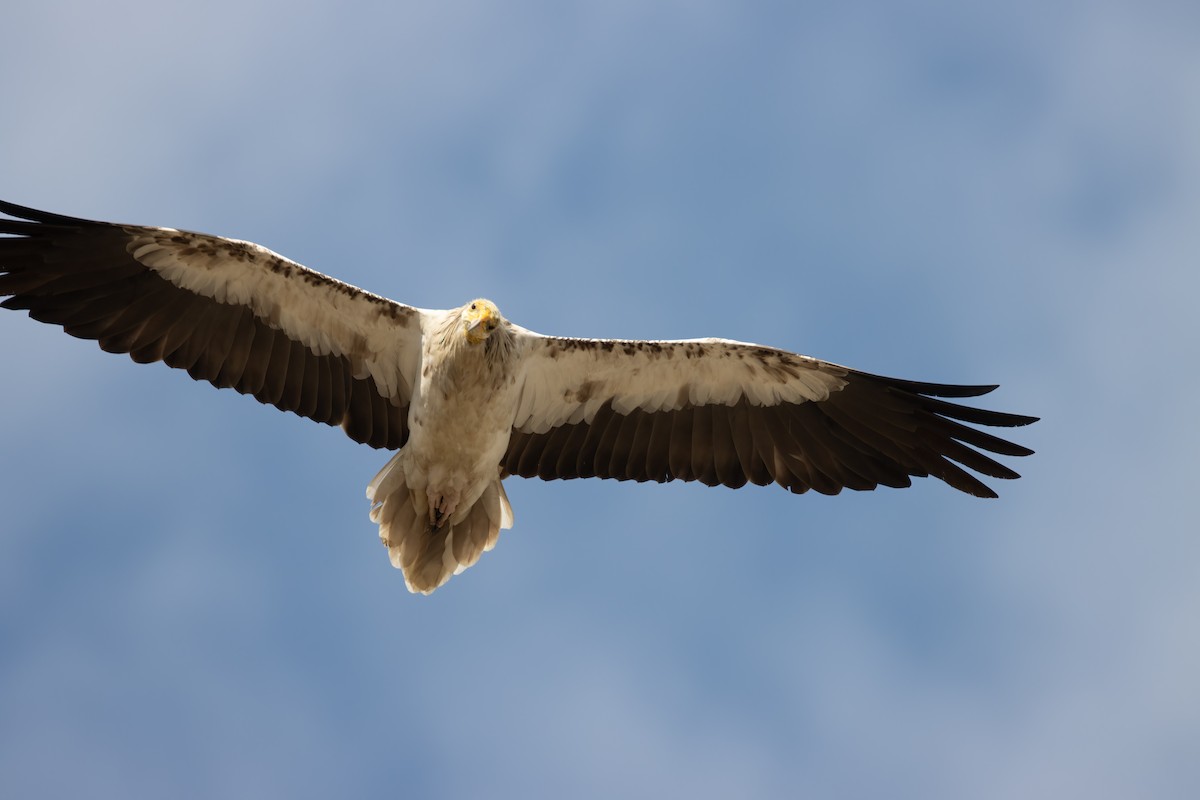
(467, 398)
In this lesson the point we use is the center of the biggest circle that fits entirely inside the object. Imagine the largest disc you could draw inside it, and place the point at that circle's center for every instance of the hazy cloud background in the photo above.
(193, 602)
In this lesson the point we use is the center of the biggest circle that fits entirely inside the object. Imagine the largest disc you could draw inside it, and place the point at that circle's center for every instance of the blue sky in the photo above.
(193, 602)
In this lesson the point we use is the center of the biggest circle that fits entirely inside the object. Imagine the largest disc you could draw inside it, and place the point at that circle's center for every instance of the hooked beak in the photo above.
(478, 329)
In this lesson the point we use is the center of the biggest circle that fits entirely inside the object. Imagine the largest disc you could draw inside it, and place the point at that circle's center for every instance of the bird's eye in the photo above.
(472, 306)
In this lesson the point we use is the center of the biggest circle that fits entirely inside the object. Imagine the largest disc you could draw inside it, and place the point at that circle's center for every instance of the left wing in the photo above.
(229, 312)
(724, 412)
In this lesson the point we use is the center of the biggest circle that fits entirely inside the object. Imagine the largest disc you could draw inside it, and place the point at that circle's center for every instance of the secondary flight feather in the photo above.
(468, 398)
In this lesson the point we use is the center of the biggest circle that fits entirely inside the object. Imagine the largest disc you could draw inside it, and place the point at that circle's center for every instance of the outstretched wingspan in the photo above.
(468, 398)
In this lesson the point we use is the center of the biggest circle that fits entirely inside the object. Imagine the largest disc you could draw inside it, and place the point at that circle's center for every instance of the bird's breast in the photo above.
(460, 417)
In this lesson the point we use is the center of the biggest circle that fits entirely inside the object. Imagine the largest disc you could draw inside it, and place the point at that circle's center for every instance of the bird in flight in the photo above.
(468, 398)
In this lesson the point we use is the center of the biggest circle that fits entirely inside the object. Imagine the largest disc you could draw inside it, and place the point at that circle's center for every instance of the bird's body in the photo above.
(468, 398)
(460, 416)
(460, 420)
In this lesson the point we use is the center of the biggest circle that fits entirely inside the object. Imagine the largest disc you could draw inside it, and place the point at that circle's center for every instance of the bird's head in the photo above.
(480, 318)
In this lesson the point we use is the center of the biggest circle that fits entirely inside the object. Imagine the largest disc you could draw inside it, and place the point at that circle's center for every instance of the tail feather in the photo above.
(430, 556)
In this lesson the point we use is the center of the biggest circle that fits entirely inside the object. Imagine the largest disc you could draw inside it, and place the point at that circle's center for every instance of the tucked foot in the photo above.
(441, 507)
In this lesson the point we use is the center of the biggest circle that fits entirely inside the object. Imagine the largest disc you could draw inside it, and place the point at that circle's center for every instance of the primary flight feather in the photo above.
(468, 398)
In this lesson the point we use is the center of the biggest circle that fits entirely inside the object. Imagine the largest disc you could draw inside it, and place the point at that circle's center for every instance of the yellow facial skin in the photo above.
(480, 319)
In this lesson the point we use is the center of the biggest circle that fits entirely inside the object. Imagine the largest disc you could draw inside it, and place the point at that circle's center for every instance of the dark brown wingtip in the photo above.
(37, 216)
